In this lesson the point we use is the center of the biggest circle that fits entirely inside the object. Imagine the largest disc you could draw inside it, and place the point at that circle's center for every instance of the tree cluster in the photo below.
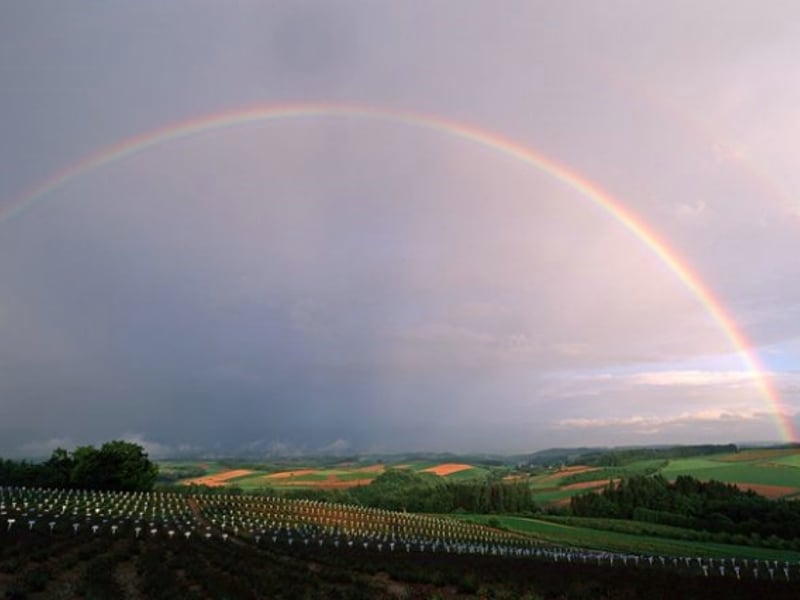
(401, 489)
(687, 502)
(405, 490)
(624, 456)
(116, 465)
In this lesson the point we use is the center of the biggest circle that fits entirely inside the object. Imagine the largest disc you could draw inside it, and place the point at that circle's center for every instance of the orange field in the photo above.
(446, 469)
(749, 455)
(218, 479)
(574, 470)
(371, 469)
(331, 482)
(585, 485)
(769, 491)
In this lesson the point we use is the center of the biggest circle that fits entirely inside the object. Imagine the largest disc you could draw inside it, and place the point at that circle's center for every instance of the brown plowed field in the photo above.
(218, 479)
(570, 471)
(371, 469)
(333, 483)
(329, 483)
(748, 455)
(769, 491)
(585, 485)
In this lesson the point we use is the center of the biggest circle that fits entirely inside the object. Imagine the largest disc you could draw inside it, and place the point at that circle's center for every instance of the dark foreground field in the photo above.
(39, 565)
(142, 545)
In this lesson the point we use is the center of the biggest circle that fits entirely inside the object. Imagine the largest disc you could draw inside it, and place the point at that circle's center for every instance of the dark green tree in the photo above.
(56, 471)
(117, 465)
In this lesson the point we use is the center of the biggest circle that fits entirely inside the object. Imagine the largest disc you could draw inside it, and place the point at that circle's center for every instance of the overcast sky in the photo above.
(358, 284)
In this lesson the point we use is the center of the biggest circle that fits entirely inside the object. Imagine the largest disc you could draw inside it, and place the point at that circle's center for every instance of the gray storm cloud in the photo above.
(348, 284)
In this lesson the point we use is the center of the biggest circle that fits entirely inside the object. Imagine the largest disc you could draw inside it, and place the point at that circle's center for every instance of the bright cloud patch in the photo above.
(658, 423)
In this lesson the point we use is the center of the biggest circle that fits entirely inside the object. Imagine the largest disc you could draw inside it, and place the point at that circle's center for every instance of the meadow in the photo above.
(628, 537)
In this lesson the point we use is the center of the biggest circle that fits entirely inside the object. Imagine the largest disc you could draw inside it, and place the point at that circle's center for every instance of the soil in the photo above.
(447, 469)
(585, 485)
(769, 491)
(218, 479)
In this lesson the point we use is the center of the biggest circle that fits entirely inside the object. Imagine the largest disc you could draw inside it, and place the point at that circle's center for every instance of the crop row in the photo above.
(283, 526)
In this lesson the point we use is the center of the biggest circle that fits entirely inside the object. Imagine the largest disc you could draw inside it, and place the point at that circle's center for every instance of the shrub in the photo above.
(36, 579)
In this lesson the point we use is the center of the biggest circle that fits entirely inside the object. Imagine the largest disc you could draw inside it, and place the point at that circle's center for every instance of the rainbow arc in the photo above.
(470, 133)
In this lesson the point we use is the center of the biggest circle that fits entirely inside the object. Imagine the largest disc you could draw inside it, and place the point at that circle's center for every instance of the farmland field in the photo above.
(88, 544)
(774, 473)
(599, 539)
(761, 471)
(257, 477)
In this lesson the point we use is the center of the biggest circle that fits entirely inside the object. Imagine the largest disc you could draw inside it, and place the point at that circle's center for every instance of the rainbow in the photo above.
(510, 148)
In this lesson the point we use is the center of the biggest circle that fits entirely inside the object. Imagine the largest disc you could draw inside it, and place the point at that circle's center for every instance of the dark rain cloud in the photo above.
(351, 284)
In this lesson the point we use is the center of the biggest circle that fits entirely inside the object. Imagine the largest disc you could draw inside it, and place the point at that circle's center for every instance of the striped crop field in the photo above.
(603, 539)
(91, 544)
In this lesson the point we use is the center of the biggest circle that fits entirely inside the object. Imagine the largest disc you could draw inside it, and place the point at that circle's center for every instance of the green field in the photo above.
(769, 467)
(761, 471)
(792, 460)
(585, 537)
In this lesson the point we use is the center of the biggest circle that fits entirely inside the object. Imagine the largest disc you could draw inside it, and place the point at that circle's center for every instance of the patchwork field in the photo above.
(219, 479)
(445, 469)
(774, 473)
(341, 476)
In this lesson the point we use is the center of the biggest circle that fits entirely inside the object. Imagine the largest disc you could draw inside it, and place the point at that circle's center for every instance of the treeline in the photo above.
(116, 465)
(620, 457)
(402, 489)
(709, 506)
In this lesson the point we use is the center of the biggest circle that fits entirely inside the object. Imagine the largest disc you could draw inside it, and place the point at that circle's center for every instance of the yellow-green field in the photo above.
(346, 475)
(774, 473)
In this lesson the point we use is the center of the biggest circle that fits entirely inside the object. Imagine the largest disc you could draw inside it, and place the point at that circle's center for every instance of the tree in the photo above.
(56, 471)
(117, 465)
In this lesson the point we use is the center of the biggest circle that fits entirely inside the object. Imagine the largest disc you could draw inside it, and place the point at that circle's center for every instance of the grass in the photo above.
(792, 460)
(759, 454)
(695, 465)
(735, 472)
(585, 537)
